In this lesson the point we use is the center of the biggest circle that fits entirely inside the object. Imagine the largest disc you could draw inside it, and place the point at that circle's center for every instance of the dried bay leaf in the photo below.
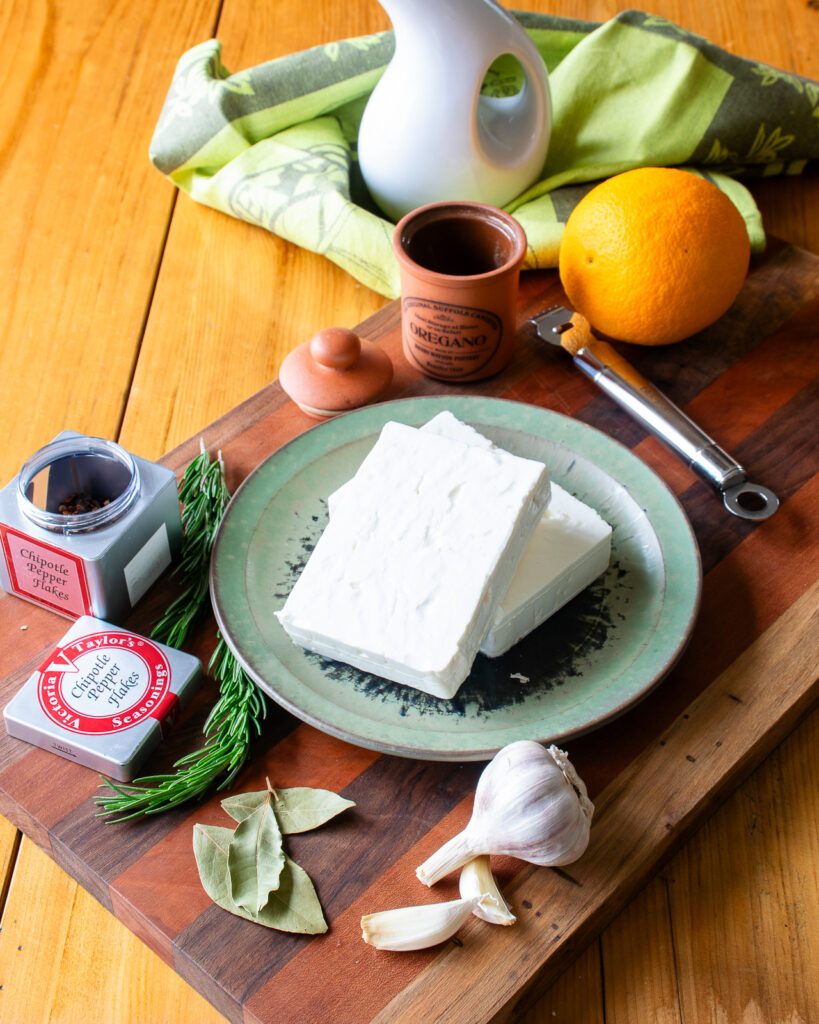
(255, 858)
(210, 847)
(294, 907)
(242, 804)
(298, 809)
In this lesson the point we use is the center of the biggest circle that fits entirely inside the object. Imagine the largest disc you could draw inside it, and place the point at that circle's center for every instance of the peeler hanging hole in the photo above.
(750, 501)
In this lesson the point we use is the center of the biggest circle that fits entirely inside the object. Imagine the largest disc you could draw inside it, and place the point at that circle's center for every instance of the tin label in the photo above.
(450, 341)
(148, 564)
(45, 574)
(106, 682)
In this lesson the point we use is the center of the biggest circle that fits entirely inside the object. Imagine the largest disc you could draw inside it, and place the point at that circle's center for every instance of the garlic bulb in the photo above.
(477, 880)
(417, 927)
(529, 803)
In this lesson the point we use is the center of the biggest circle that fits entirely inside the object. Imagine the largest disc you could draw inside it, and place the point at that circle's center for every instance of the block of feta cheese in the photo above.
(569, 549)
(405, 579)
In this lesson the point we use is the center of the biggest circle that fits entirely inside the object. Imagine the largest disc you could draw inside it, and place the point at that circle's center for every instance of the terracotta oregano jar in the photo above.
(460, 265)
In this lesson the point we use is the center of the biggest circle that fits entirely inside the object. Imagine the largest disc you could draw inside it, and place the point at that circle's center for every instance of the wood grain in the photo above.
(577, 995)
(9, 844)
(82, 86)
(50, 920)
(755, 862)
(765, 842)
(35, 924)
(215, 345)
(75, 124)
(37, 94)
(199, 951)
(638, 950)
(726, 722)
(196, 324)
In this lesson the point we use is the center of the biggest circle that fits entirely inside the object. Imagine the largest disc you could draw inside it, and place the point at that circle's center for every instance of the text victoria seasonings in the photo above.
(103, 697)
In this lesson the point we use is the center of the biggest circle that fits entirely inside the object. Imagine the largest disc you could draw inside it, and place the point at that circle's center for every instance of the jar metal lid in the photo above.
(79, 460)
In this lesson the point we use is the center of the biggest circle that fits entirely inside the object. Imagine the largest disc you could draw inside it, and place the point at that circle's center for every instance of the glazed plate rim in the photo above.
(326, 437)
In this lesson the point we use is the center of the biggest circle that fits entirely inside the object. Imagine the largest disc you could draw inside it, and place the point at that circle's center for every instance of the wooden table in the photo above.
(131, 313)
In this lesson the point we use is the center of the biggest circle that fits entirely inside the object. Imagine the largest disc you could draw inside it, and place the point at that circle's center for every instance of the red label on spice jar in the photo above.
(45, 574)
(105, 683)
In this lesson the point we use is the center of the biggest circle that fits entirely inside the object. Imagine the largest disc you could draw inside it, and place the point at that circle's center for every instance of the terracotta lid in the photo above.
(335, 371)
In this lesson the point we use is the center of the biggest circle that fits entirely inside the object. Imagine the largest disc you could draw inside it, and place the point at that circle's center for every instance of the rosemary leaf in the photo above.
(204, 496)
(235, 718)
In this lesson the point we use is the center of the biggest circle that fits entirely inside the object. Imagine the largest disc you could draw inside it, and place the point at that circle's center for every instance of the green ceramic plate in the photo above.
(591, 661)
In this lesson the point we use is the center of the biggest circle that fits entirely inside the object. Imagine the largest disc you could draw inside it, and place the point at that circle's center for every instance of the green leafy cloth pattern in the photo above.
(275, 145)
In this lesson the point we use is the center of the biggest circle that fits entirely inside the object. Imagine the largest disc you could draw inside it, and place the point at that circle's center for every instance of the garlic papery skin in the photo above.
(411, 928)
(477, 880)
(530, 803)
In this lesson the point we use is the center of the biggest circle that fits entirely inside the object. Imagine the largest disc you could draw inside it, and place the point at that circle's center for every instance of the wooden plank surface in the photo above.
(215, 952)
(723, 884)
(279, 294)
(78, 113)
(639, 948)
(782, 33)
(95, 971)
(721, 728)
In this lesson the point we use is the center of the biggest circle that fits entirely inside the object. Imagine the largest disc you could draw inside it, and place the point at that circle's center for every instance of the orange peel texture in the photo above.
(654, 255)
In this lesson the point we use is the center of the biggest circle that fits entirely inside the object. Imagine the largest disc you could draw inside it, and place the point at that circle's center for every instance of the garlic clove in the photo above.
(529, 803)
(477, 880)
(409, 928)
(456, 852)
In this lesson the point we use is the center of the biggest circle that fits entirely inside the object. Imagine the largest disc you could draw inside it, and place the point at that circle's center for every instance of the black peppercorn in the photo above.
(77, 504)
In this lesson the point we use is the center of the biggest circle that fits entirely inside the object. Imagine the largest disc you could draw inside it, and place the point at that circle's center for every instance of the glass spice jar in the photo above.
(86, 528)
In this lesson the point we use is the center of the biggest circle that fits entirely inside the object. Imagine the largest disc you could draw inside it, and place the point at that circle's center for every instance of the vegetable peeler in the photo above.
(631, 391)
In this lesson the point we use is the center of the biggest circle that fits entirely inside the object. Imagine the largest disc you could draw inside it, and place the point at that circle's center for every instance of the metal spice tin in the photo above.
(98, 561)
(104, 697)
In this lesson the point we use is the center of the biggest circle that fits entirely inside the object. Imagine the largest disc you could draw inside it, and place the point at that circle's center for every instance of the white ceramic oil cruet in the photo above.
(427, 134)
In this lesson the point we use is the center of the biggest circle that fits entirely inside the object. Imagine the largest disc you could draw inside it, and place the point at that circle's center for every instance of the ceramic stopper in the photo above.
(334, 372)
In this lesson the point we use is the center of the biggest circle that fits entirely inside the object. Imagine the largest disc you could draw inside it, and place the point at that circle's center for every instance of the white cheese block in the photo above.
(405, 579)
(570, 548)
(447, 425)
(442, 425)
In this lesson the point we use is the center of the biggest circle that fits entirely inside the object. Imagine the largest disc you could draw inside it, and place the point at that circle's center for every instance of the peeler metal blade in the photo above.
(551, 323)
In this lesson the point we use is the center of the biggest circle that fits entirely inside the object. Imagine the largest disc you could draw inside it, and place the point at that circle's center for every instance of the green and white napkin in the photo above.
(275, 145)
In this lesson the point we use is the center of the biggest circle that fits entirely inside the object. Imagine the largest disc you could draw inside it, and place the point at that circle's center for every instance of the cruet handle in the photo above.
(511, 127)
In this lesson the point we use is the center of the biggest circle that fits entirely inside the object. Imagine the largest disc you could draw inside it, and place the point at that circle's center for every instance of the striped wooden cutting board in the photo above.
(748, 675)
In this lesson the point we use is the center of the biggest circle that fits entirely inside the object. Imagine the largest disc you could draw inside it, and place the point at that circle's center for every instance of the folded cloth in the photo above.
(276, 145)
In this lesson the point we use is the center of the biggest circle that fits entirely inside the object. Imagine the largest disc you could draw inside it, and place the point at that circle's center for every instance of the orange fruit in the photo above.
(653, 255)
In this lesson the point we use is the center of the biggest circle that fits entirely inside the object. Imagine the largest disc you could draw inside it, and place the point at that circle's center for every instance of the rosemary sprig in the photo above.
(231, 726)
(204, 496)
(235, 718)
